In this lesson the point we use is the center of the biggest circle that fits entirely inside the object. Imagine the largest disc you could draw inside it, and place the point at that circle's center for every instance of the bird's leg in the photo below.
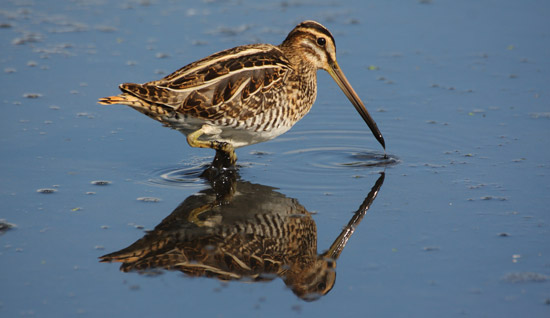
(194, 214)
(224, 185)
(225, 153)
(224, 159)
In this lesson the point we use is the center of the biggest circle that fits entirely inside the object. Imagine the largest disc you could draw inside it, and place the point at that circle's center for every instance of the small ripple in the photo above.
(371, 159)
(340, 158)
(178, 176)
(327, 169)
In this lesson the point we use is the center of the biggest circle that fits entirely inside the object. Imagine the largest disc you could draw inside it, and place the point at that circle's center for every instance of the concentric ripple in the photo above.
(178, 176)
(326, 169)
(340, 158)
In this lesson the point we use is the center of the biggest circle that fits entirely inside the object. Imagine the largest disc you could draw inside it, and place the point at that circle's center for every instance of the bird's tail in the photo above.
(124, 99)
(112, 100)
(155, 111)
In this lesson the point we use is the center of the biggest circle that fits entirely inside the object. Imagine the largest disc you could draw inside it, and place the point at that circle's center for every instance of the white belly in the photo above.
(236, 136)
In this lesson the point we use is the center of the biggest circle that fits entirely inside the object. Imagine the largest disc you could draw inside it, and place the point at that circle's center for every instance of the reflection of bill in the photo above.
(237, 230)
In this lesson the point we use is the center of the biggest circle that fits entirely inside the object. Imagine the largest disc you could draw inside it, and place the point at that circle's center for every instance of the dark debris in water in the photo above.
(491, 197)
(371, 160)
(32, 95)
(101, 182)
(5, 226)
(136, 226)
(46, 190)
(260, 153)
(431, 248)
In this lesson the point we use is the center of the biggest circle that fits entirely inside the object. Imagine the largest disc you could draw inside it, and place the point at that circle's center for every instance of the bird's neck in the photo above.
(302, 80)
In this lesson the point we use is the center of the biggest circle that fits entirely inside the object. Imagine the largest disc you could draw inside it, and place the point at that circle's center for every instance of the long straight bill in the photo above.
(342, 81)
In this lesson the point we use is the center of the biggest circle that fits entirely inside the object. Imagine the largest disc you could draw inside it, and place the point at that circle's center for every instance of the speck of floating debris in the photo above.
(85, 114)
(27, 38)
(161, 55)
(491, 197)
(5, 226)
(148, 199)
(101, 182)
(431, 248)
(525, 277)
(540, 115)
(46, 190)
(106, 28)
(32, 95)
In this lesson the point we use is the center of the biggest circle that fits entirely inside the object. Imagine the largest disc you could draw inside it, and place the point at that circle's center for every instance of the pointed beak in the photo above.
(336, 73)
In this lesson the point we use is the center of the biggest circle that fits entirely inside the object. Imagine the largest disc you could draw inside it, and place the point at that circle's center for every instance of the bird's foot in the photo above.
(223, 163)
(225, 152)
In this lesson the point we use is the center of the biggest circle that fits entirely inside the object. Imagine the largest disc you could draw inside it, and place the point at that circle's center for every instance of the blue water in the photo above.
(459, 90)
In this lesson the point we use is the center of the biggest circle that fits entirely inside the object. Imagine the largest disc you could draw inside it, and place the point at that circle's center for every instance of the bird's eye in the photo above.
(321, 41)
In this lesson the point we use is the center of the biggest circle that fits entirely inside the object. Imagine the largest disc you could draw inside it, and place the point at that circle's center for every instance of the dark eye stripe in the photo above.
(318, 28)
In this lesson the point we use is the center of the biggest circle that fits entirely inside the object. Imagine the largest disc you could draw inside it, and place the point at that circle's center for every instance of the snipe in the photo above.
(245, 95)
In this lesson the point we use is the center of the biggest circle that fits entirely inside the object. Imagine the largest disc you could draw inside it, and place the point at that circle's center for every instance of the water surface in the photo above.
(459, 90)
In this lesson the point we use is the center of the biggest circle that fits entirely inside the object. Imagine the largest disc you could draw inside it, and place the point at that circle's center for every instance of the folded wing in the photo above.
(219, 84)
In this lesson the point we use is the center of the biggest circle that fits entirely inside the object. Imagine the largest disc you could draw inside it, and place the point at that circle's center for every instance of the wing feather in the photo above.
(219, 83)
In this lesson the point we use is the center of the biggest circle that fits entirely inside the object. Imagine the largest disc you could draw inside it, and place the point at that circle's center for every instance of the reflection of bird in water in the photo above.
(245, 95)
(242, 231)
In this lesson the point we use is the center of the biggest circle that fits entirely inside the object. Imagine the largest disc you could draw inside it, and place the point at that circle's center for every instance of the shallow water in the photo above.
(459, 90)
